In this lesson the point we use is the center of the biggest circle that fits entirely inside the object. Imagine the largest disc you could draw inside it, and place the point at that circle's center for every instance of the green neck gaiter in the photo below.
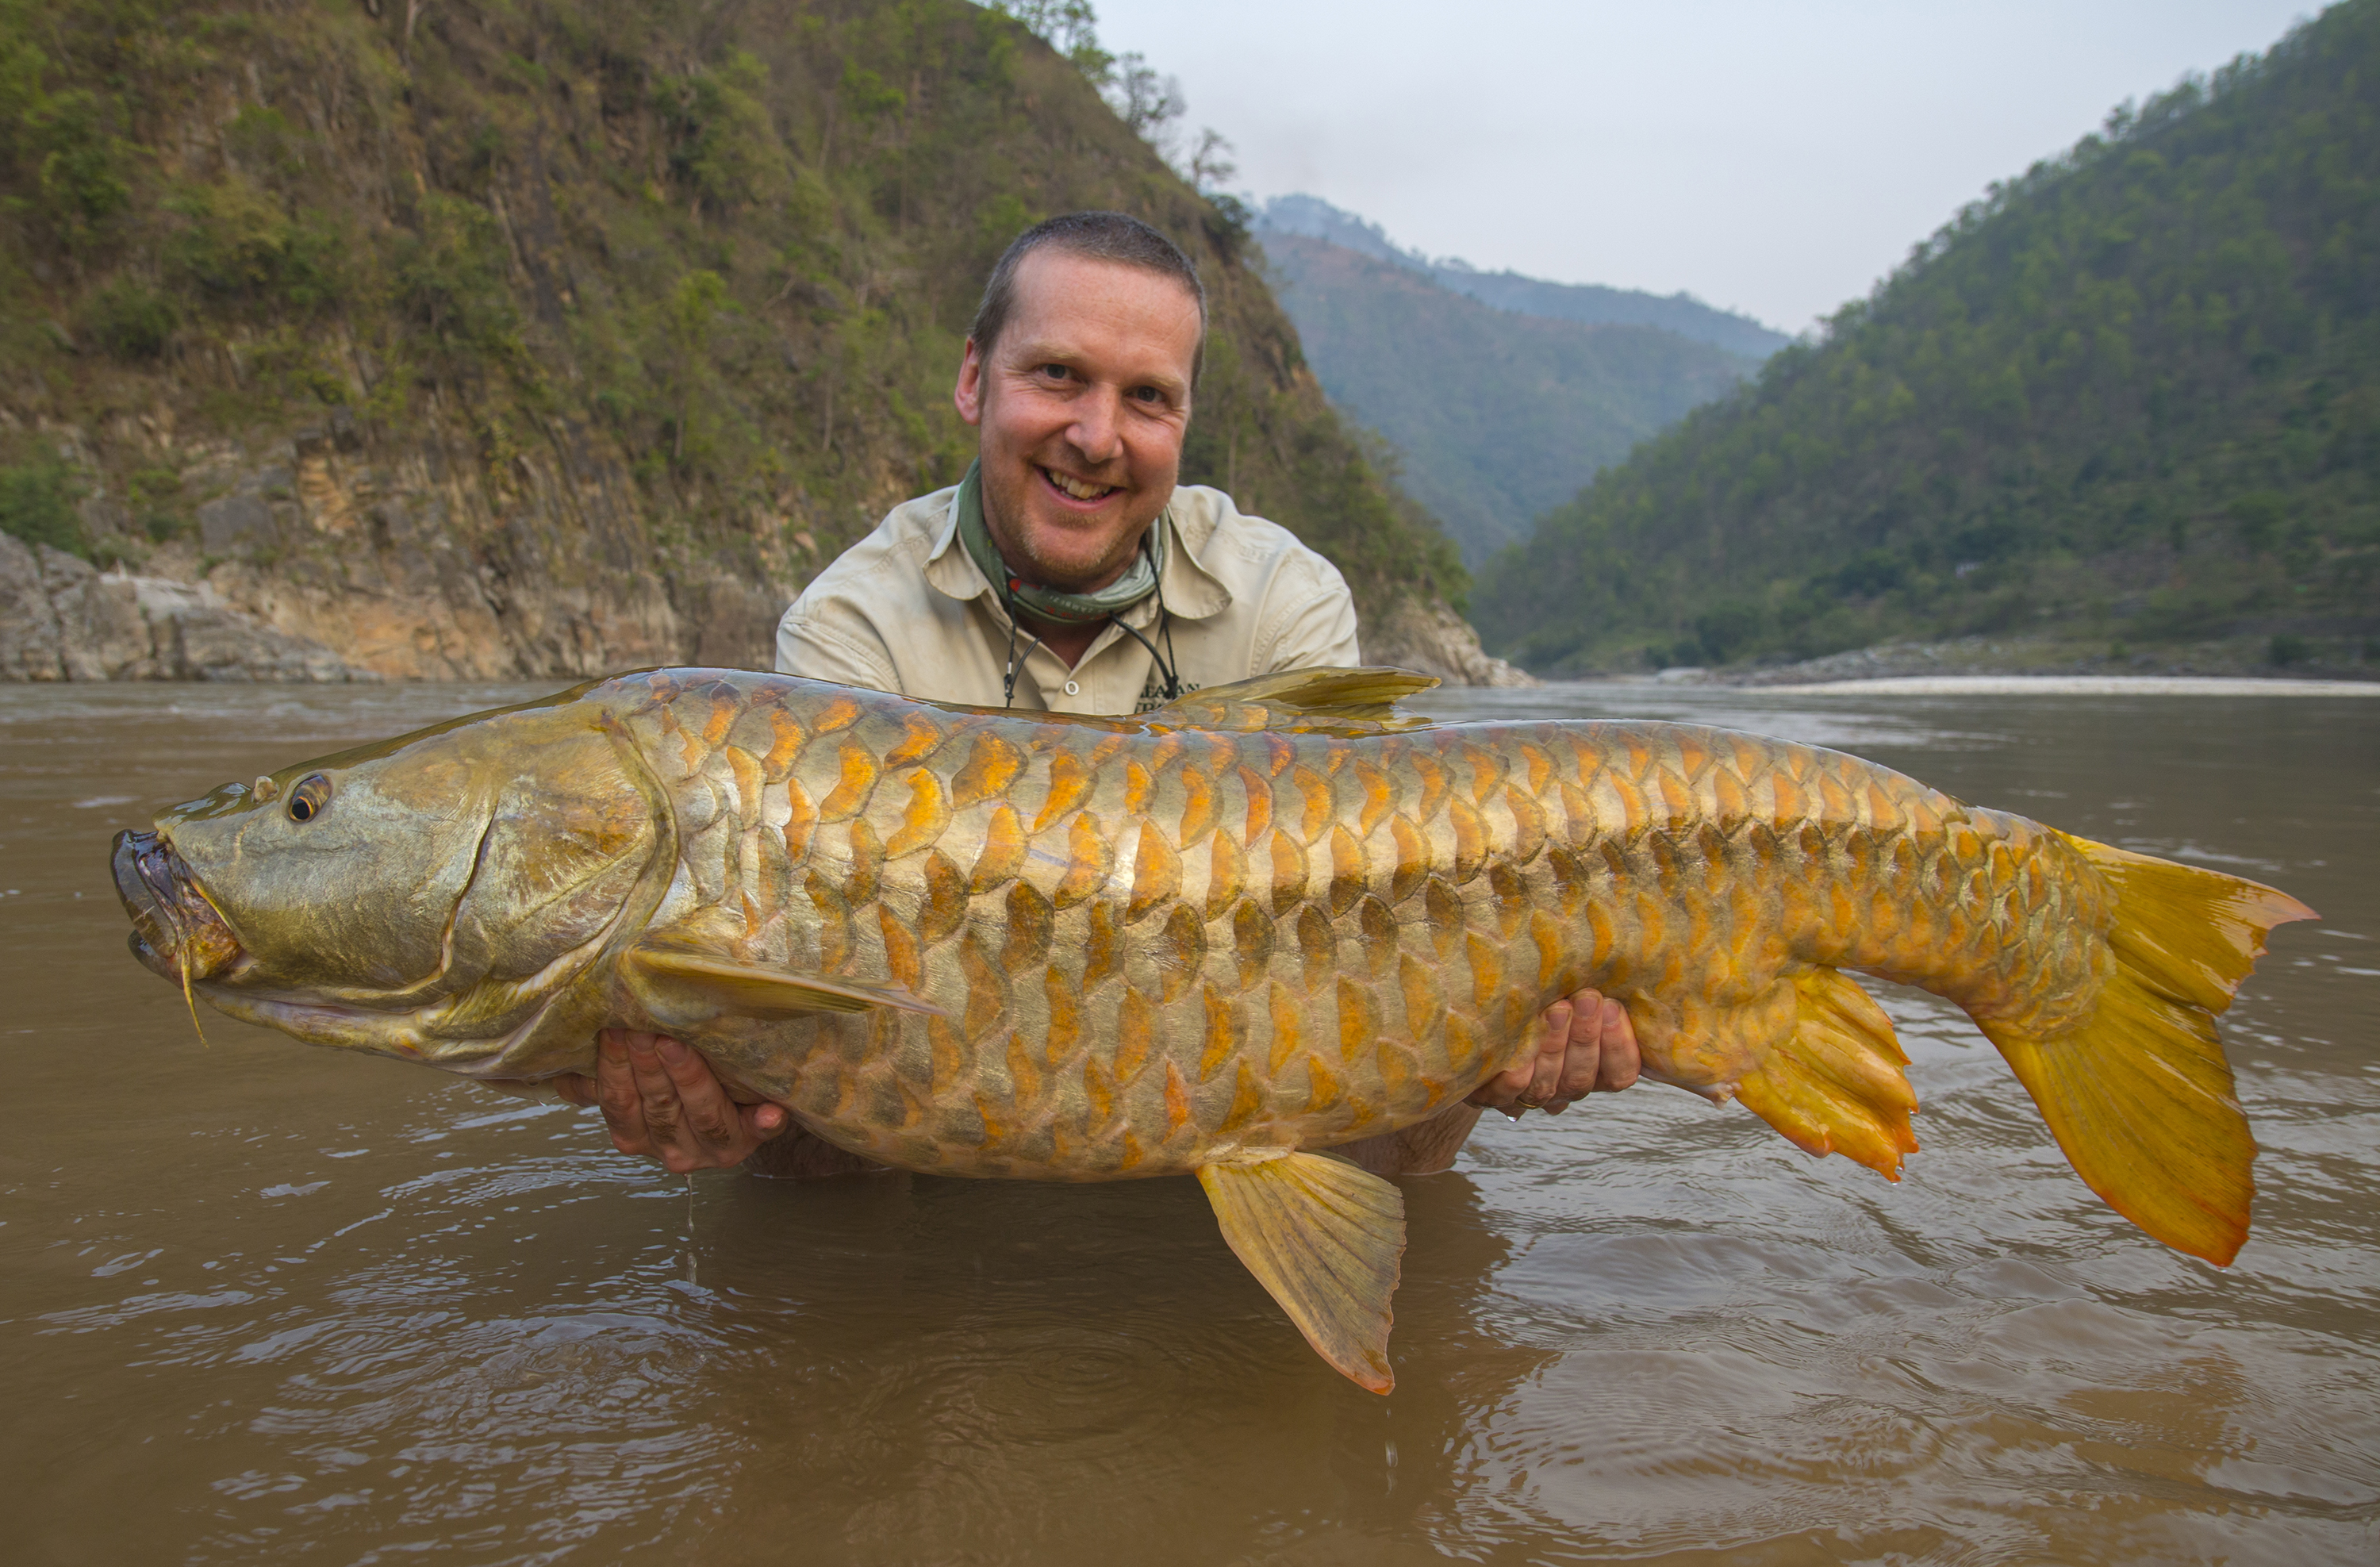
(1049, 603)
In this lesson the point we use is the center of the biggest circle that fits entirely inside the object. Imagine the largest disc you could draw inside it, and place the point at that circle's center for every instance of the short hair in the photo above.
(1098, 236)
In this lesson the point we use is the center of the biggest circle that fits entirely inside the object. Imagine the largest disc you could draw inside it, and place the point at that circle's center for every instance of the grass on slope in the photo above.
(730, 246)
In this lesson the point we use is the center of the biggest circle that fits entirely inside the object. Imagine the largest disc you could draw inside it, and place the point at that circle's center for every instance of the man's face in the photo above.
(1081, 405)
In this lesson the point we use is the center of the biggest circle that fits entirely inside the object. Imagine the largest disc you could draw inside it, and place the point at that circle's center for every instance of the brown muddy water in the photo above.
(266, 1304)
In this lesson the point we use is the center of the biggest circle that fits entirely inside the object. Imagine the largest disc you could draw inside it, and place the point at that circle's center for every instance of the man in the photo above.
(1068, 572)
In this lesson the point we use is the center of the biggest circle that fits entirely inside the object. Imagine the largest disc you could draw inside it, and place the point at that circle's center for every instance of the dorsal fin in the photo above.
(1308, 701)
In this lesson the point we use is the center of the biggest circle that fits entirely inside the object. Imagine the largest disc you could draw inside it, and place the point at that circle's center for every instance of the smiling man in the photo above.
(1070, 572)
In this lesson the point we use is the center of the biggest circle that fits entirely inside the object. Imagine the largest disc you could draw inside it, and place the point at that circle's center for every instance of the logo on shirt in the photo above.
(1153, 697)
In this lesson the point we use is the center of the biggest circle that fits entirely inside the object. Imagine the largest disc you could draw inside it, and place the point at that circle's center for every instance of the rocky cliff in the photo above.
(345, 341)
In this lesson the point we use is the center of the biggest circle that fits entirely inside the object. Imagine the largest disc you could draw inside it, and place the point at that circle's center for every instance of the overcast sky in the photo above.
(1775, 158)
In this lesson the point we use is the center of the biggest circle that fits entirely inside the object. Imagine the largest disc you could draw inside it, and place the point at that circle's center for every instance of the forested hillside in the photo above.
(2132, 397)
(1494, 417)
(1313, 218)
(544, 336)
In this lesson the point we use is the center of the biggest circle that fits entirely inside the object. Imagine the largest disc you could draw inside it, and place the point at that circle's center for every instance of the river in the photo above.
(266, 1304)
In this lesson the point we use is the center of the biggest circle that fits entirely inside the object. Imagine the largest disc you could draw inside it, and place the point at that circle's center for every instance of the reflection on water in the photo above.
(265, 1302)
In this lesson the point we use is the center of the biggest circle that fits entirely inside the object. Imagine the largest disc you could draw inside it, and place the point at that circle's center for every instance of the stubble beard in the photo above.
(1017, 545)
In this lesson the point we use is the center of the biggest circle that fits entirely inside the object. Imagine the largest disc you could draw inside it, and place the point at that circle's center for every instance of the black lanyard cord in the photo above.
(1169, 666)
(1165, 628)
(1008, 679)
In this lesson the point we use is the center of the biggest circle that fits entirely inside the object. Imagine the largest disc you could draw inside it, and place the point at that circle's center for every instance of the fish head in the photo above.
(427, 898)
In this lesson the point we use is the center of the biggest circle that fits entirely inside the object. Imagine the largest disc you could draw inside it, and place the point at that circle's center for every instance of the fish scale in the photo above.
(1263, 921)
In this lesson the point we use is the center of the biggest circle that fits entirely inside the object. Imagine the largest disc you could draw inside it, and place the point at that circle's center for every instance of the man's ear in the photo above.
(968, 396)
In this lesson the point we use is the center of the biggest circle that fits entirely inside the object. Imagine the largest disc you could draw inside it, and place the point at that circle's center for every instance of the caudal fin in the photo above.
(2138, 1093)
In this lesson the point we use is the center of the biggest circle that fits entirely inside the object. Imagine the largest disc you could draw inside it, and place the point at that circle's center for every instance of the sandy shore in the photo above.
(2084, 685)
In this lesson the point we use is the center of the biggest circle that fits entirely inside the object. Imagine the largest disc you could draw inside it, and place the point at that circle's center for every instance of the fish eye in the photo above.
(309, 799)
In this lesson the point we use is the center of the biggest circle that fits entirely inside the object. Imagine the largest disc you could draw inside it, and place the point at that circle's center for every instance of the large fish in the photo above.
(1219, 938)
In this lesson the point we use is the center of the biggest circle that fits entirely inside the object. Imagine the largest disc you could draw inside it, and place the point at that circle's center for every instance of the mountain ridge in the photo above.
(1588, 303)
(1492, 417)
(2130, 397)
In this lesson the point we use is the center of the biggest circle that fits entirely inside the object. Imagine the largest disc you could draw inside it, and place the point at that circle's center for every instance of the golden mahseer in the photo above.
(1221, 938)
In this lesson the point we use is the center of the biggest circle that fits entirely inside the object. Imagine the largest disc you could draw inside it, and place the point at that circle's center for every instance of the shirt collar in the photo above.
(1190, 590)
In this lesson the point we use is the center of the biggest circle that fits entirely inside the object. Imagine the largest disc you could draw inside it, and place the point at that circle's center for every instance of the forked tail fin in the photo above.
(2137, 1092)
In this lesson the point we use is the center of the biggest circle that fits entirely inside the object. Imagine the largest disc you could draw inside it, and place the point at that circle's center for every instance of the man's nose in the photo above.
(1098, 430)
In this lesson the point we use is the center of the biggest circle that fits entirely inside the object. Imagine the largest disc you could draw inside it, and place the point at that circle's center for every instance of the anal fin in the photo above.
(1835, 1083)
(1324, 1239)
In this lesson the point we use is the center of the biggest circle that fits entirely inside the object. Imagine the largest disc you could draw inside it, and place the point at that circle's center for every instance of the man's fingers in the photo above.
(657, 1097)
(762, 1122)
(576, 1088)
(1622, 1060)
(616, 1096)
(703, 1105)
(1585, 1046)
(1553, 1047)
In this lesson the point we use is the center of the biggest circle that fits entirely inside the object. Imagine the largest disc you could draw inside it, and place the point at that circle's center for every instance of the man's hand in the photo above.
(1584, 1044)
(662, 1100)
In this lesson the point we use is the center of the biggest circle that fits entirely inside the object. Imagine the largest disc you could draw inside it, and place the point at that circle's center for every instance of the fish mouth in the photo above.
(176, 933)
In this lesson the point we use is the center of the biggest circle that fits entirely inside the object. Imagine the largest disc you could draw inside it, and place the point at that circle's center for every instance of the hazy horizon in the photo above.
(1767, 160)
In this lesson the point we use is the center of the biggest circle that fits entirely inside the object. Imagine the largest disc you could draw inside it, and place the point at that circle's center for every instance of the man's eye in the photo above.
(1147, 394)
(1056, 373)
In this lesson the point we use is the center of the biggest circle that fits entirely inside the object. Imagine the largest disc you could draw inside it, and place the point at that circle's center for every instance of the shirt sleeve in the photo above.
(810, 651)
(1318, 628)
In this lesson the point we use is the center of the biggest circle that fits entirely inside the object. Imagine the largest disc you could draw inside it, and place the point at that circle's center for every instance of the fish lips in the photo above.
(176, 933)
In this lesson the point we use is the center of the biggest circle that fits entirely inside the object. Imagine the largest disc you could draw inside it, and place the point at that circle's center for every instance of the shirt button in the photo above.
(1073, 689)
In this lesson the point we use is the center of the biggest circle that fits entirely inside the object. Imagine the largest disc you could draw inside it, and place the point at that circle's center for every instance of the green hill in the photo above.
(545, 337)
(2132, 396)
(1494, 417)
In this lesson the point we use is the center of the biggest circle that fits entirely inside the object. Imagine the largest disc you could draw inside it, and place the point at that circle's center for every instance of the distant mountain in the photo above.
(2134, 395)
(1494, 417)
(1313, 218)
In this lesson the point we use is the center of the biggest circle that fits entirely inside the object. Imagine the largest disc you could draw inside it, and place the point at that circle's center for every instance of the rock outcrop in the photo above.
(313, 558)
(62, 619)
(1430, 639)
(319, 558)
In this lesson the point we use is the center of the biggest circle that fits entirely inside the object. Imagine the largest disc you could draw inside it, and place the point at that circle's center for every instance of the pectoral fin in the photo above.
(1323, 1238)
(684, 989)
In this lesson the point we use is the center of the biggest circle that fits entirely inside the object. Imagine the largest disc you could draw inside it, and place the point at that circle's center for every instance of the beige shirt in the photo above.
(907, 610)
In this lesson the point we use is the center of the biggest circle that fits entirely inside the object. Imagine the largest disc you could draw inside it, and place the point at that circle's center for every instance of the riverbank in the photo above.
(2082, 685)
(2345, 657)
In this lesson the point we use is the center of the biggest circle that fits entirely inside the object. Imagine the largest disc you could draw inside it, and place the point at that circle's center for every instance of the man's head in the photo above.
(1077, 376)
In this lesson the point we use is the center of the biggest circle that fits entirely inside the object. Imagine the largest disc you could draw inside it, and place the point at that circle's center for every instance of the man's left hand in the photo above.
(1584, 1044)
(662, 1100)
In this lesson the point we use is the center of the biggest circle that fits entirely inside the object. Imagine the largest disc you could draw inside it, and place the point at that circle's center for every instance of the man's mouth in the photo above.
(1079, 488)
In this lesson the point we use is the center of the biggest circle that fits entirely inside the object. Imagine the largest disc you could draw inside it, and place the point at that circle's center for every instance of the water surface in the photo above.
(267, 1304)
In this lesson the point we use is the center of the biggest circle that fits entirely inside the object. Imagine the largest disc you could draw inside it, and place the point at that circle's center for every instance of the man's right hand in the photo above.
(662, 1100)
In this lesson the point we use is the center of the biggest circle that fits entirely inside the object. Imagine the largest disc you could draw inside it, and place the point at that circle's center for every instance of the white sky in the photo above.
(1773, 158)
